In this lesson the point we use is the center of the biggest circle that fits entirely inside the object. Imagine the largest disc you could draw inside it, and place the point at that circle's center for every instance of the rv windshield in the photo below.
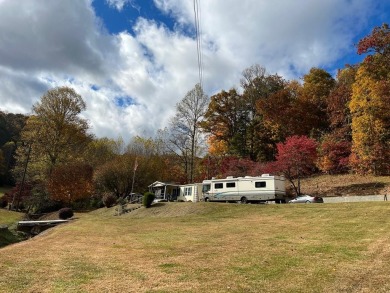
(206, 188)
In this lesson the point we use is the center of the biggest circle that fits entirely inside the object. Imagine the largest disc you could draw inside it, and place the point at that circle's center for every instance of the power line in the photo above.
(197, 14)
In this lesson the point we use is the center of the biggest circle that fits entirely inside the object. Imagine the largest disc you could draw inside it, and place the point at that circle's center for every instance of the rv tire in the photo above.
(244, 200)
(206, 199)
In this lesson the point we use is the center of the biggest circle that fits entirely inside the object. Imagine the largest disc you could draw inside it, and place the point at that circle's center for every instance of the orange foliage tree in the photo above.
(71, 182)
(370, 105)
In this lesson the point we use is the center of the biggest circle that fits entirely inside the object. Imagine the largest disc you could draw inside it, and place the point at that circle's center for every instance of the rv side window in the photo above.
(206, 188)
(230, 184)
(260, 184)
(218, 185)
(187, 191)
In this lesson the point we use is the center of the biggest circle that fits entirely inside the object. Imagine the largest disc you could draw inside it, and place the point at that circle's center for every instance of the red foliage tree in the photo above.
(296, 158)
(377, 42)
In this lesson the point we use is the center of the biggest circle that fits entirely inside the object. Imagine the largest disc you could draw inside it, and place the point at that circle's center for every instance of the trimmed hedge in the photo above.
(65, 213)
(109, 200)
(148, 199)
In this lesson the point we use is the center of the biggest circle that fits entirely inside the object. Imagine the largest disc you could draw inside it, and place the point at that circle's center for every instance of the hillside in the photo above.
(345, 185)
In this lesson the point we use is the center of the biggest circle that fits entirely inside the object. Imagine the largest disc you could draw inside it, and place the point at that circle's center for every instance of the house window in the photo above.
(218, 185)
(260, 184)
(230, 184)
(187, 191)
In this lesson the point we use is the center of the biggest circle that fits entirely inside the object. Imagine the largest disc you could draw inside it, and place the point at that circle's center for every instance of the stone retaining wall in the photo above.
(337, 199)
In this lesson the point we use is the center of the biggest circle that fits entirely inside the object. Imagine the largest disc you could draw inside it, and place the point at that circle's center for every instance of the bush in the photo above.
(3, 202)
(148, 199)
(65, 213)
(109, 200)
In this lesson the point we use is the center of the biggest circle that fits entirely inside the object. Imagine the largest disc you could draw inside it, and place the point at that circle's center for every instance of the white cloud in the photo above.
(53, 43)
(119, 4)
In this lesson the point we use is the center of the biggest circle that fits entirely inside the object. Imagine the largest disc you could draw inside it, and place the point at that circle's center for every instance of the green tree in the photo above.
(10, 129)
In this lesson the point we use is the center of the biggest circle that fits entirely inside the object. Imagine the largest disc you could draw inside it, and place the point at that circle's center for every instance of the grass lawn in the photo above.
(8, 236)
(208, 247)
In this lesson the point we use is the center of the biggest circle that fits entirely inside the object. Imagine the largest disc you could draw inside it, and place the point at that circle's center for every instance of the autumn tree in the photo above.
(55, 134)
(295, 158)
(377, 46)
(116, 175)
(185, 129)
(285, 113)
(335, 146)
(102, 150)
(257, 86)
(370, 105)
(333, 154)
(226, 120)
(317, 85)
(338, 100)
(70, 182)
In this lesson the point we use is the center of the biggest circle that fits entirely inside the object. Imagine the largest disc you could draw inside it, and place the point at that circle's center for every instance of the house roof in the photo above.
(162, 184)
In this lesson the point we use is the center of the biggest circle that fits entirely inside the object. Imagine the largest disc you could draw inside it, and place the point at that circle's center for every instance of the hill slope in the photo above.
(344, 185)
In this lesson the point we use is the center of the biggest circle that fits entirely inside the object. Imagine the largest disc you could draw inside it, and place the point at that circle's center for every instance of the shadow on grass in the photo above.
(157, 204)
(7, 237)
(371, 188)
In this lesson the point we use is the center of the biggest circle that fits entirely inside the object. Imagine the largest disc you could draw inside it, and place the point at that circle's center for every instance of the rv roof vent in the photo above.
(248, 176)
(229, 177)
(212, 178)
(265, 175)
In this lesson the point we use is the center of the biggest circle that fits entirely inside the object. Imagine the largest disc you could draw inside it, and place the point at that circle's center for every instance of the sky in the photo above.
(132, 61)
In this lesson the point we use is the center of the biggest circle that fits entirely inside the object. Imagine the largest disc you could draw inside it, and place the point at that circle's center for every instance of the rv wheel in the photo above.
(244, 200)
(206, 199)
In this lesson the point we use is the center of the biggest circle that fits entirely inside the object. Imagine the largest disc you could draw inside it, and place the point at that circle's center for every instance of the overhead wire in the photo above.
(197, 15)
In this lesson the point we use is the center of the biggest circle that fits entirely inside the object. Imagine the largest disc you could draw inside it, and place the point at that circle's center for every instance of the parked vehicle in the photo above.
(246, 189)
(305, 198)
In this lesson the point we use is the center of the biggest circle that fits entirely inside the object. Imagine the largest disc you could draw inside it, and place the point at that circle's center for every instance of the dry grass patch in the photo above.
(207, 247)
(345, 184)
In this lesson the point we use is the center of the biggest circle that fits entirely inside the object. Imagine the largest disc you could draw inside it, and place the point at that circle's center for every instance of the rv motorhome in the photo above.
(246, 189)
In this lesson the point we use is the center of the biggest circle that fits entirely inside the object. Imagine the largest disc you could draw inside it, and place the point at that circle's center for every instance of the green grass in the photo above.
(9, 217)
(207, 247)
(9, 236)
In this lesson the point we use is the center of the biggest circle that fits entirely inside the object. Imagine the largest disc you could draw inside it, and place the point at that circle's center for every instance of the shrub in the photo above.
(148, 199)
(3, 202)
(65, 213)
(109, 200)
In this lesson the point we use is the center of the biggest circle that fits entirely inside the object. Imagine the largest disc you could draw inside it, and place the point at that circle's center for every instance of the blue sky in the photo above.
(133, 60)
